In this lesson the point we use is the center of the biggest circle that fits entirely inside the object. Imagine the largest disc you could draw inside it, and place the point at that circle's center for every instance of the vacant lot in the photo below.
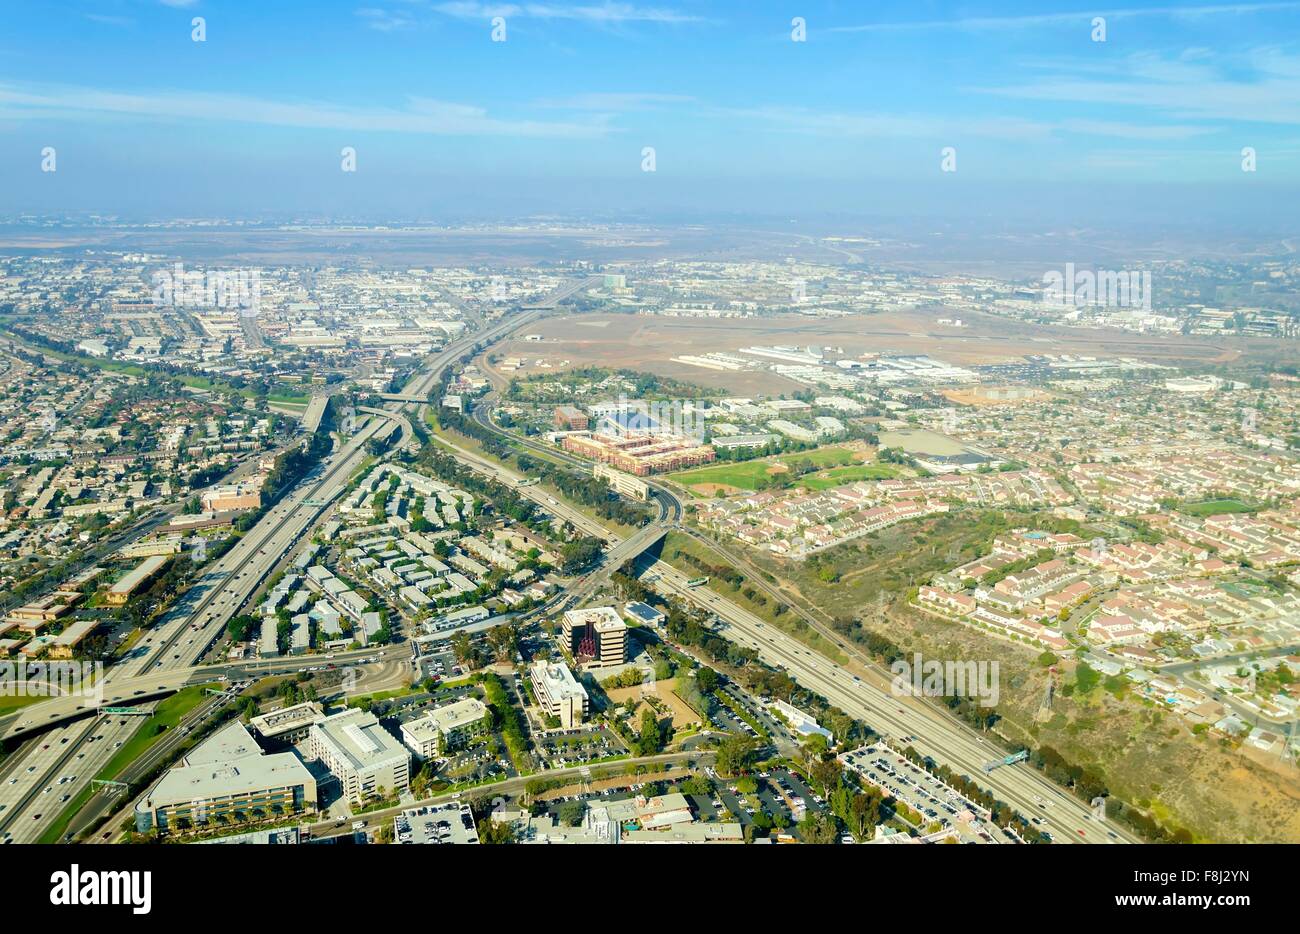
(650, 342)
(662, 692)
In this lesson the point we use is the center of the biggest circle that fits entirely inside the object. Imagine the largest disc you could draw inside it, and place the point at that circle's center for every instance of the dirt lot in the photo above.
(682, 715)
(649, 342)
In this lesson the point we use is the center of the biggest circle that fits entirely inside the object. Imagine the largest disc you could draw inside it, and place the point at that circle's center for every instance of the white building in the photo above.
(558, 694)
(360, 753)
(447, 727)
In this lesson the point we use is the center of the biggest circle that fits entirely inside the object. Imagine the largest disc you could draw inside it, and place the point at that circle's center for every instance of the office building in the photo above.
(596, 633)
(558, 694)
(360, 754)
(448, 727)
(227, 778)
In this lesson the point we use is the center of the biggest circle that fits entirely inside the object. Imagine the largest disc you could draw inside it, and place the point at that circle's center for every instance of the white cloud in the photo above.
(421, 115)
(1262, 86)
(867, 125)
(616, 101)
(385, 20)
(1031, 20)
(608, 13)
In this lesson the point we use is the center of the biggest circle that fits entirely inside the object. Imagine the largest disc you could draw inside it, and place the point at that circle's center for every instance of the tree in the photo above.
(707, 679)
(494, 832)
(650, 740)
(240, 626)
(461, 645)
(577, 556)
(504, 640)
(736, 755)
(817, 827)
(571, 813)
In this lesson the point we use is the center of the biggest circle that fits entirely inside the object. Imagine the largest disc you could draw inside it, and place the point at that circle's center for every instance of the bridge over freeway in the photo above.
(311, 419)
(404, 397)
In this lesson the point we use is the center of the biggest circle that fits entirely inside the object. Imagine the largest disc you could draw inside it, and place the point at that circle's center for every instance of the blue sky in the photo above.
(555, 118)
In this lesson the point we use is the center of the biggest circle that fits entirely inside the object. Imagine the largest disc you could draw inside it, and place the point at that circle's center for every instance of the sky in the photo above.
(1038, 117)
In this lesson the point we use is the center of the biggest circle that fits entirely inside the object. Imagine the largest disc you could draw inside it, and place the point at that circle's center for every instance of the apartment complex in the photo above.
(121, 592)
(640, 454)
(622, 483)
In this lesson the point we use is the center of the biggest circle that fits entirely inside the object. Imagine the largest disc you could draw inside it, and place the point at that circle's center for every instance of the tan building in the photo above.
(119, 593)
(570, 418)
(558, 693)
(231, 498)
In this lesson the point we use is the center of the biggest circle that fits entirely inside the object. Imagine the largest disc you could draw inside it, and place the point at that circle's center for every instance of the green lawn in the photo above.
(1215, 507)
(287, 398)
(749, 475)
(836, 476)
(9, 702)
(166, 715)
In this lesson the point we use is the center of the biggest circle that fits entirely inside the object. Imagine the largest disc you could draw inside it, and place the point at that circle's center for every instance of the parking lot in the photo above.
(780, 791)
(561, 749)
(913, 786)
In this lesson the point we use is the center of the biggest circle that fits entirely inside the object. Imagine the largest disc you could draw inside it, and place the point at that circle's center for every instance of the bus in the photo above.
(697, 582)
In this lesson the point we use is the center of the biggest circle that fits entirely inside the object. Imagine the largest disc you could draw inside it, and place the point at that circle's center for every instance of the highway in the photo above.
(945, 740)
(936, 733)
(167, 657)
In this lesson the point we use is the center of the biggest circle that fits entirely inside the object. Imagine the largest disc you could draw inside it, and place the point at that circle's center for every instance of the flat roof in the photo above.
(446, 718)
(229, 763)
(558, 680)
(141, 572)
(357, 736)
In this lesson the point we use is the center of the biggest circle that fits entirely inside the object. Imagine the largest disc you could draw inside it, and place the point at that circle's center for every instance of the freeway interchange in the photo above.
(65, 757)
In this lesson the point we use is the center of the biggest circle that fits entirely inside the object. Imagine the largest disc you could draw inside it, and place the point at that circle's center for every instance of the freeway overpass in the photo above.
(404, 397)
(315, 412)
(123, 692)
(558, 295)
